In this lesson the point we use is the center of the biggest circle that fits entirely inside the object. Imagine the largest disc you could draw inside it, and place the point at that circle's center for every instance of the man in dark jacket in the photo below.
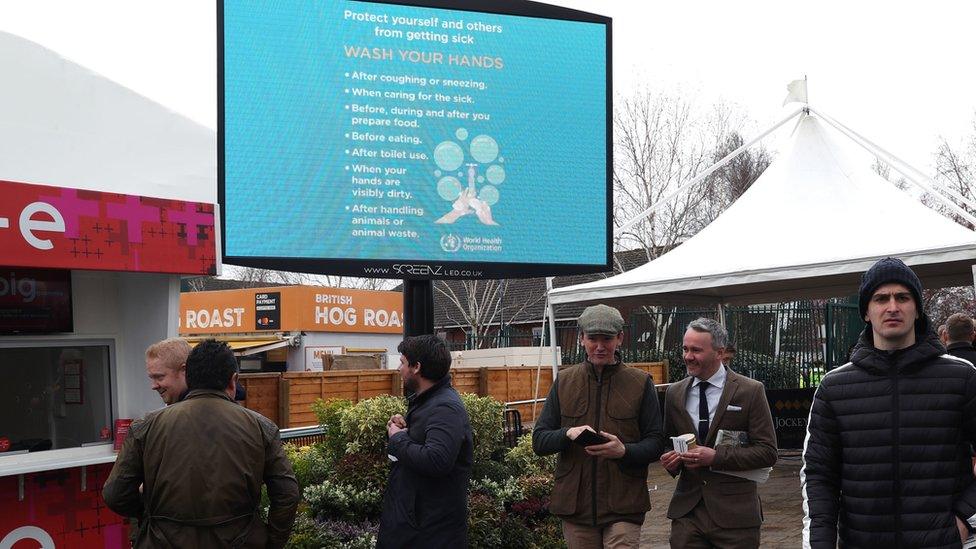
(426, 500)
(886, 460)
(600, 490)
(959, 337)
(201, 463)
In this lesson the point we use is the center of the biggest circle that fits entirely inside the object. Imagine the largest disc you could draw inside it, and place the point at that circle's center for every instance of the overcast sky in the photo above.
(898, 72)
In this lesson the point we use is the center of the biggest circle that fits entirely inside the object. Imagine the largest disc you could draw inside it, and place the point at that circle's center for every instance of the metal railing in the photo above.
(303, 436)
(786, 345)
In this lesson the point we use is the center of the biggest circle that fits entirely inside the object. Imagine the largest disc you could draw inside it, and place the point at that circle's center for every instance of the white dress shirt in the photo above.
(712, 394)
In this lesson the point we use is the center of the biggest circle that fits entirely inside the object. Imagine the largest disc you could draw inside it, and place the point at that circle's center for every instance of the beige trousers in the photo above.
(617, 535)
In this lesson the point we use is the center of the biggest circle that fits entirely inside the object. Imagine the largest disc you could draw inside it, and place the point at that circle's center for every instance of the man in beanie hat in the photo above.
(602, 418)
(887, 455)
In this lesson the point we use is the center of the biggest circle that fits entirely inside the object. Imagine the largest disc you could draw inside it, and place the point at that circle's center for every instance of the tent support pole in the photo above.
(892, 159)
(875, 150)
(728, 158)
(721, 313)
(552, 329)
(974, 277)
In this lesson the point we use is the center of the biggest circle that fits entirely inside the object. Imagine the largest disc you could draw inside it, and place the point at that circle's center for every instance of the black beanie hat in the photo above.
(889, 269)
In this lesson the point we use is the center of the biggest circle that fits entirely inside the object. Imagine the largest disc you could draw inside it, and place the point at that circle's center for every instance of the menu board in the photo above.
(407, 141)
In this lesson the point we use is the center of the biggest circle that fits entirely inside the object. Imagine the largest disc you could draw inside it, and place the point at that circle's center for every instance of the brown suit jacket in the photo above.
(732, 502)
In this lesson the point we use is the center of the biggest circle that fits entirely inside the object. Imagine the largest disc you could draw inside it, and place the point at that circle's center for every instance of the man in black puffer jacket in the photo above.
(886, 460)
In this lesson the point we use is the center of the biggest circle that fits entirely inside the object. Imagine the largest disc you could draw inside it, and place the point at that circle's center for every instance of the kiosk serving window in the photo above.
(55, 396)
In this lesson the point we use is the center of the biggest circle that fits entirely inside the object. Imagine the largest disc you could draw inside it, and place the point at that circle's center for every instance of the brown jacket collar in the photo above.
(196, 393)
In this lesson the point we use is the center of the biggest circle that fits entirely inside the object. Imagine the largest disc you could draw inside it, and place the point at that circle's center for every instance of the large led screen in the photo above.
(408, 141)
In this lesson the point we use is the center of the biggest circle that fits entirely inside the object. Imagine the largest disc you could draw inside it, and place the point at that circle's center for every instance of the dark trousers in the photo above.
(697, 530)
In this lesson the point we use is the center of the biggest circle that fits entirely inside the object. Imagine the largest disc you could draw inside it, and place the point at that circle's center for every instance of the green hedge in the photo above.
(344, 477)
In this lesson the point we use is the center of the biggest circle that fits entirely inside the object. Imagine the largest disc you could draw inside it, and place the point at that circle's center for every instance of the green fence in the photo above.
(786, 345)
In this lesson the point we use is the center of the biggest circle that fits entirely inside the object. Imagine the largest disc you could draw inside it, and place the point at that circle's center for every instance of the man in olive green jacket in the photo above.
(201, 463)
(600, 490)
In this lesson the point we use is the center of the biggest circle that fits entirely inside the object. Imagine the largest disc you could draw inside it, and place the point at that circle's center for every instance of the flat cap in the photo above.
(601, 319)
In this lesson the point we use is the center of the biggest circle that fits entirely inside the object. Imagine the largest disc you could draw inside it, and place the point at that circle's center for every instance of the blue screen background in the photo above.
(288, 192)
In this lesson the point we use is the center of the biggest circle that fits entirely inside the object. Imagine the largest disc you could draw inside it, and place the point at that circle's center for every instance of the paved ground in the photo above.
(781, 501)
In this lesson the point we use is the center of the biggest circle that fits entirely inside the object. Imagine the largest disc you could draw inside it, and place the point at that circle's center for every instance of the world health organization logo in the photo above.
(450, 243)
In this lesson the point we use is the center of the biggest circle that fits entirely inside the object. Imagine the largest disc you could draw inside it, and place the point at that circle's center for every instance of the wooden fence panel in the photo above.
(466, 380)
(517, 383)
(262, 393)
(287, 398)
(658, 370)
(355, 385)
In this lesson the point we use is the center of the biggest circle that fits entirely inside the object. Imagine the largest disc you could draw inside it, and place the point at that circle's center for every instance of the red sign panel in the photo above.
(63, 228)
(35, 301)
(59, 510)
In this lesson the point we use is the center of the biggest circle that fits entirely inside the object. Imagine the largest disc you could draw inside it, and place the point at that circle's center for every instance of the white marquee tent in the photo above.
(807, 228)
(65, 125)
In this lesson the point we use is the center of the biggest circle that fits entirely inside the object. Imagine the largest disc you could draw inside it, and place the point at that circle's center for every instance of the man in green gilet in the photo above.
(600, 491)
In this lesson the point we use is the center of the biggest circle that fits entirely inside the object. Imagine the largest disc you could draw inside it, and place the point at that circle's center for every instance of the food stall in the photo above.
(107, 199)
(290, 328)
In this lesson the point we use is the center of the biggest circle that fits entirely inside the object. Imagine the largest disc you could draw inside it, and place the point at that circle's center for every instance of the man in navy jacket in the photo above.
(425, 504)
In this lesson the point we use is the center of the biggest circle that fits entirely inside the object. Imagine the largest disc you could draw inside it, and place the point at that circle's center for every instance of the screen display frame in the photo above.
(56, 325)
(423, 269)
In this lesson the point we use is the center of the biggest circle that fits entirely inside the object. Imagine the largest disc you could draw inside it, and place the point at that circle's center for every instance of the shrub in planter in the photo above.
(363, 426)
(521, 458)
(363, 471)
(350, 535)
(487, 424)
(531, 509)
(485, 515)
(507, 491)
(310, 463)
(548, 534)
(514, 534)
(491, 470)
(306, 534)
(329, 415)
(536, 486)
(337, 500)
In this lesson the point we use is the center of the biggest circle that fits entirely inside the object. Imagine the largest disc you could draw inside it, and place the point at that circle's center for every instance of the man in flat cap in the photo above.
(887, 462)
(602, 418)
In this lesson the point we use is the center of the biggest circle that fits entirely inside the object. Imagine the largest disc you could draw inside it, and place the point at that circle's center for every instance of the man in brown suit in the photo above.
(711, 509)
(201, 463)
(600, 491)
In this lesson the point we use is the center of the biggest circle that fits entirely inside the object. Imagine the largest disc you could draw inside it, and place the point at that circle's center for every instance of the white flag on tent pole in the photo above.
(797, 92)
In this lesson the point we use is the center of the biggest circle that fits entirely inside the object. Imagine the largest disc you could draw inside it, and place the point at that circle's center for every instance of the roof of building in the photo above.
(523, 299)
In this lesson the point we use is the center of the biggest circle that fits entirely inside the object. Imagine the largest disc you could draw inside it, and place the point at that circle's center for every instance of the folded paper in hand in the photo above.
(683, 443)
(740, 439)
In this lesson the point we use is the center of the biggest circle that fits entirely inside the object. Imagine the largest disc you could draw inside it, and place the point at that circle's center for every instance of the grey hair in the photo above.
(720, 337)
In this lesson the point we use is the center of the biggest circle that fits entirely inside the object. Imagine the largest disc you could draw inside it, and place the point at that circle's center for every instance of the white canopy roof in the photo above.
(63, 125)
(807, 228)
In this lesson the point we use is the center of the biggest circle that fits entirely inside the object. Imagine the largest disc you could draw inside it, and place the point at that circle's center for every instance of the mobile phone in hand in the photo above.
(590, 438)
